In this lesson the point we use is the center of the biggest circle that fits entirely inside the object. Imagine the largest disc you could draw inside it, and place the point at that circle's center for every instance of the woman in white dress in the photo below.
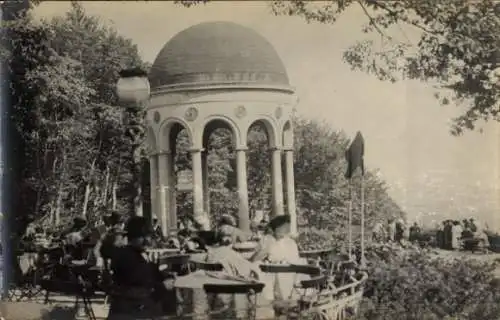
(278, 247)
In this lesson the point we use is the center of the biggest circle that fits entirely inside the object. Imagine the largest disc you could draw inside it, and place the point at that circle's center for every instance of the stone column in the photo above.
(153, 181)
(277, 182)
(197, 182)
(206, 190)
(290, 191)
(172, 212)
(164, 190)
(241, 168)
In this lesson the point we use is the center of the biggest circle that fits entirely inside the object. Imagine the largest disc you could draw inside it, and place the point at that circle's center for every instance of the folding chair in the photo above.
(250, 290)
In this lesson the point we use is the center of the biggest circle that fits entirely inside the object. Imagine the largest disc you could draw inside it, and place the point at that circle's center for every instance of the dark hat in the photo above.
(79, 222)
(115, 217)
(227, 220)
(137, 227)
(278, 221)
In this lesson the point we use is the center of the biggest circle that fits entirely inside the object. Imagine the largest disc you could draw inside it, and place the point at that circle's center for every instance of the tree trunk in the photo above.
(86, 198)
(105, 190)
(88, 190)
(113, 199)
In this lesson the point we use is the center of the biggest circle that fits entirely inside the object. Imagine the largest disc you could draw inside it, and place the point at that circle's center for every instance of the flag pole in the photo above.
(350, 220)
(363, 221)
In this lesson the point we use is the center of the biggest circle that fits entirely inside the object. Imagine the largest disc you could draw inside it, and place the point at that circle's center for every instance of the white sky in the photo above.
(406, 130)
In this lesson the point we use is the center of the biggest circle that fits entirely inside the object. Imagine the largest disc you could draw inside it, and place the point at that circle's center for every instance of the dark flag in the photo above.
(354, 156)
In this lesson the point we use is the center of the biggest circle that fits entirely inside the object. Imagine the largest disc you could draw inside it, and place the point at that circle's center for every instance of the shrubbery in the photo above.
(408, 282)
(411, 283)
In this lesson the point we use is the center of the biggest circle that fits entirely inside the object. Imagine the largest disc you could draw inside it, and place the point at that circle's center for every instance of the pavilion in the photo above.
(218, 75)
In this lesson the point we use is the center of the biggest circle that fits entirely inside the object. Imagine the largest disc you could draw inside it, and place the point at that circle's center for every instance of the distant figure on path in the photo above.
(456, 233)
(391, 230)
(414, 232)
(400, 231)
(378, 233)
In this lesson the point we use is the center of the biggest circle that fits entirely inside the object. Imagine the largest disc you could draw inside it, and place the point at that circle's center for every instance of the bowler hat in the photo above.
(79, 222)
(278, 221)
(137, 227)
(115, 217)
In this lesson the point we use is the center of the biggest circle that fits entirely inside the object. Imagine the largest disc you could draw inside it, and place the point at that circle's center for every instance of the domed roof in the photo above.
(218, 53)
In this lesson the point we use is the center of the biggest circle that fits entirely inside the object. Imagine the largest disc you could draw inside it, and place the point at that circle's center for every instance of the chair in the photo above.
(250, 290)
(178, 263)
(207, 266)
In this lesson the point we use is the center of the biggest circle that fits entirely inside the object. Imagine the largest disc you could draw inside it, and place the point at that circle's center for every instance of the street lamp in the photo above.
(133, 90)
(133, 87)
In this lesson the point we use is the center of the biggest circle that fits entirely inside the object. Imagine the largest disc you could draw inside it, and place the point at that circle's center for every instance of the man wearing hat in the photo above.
(139, 284)
(112, 238)
(74, 239)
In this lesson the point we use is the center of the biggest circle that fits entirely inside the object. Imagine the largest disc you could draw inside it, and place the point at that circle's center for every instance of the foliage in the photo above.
(458, 46)
(72, 147)
(412, 283)
(457, 49)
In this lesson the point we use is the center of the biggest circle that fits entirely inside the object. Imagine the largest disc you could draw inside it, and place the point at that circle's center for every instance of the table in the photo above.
(192, 286)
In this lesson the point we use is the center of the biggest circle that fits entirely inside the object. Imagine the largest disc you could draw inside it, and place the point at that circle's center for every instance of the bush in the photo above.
(410, 283)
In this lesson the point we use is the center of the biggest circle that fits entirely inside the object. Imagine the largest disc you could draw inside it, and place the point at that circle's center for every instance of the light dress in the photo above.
(280, 285)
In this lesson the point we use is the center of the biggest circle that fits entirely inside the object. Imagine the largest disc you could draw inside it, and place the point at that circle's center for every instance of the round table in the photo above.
(191, 287)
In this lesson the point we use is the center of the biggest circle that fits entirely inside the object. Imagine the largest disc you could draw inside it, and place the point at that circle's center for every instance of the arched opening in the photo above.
(218, 162)
(259, 141)
(175, 142)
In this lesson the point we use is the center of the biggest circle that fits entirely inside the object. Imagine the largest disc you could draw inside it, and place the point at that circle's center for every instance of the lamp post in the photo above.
(133, 91)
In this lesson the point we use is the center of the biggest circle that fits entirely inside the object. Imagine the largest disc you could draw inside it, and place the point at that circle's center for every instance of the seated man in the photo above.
(74, 238)
(140, 287)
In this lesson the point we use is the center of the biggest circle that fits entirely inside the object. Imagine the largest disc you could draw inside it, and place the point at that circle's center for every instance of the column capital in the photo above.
(163, 153)
(194, 150)
(244, 149)
(275, 149)
(288, 149)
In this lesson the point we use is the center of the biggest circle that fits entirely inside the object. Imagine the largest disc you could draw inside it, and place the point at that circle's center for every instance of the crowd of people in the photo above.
(395, 230)
(450, 234)
(119, 246)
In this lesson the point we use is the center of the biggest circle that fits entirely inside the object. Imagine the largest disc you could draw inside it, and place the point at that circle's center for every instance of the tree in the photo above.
(458, 47)
(69, 153)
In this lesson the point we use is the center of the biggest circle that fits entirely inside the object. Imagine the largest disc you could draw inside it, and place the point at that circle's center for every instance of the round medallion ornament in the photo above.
(241, 112)
(278, 113)
(156, 117)
(191, 114)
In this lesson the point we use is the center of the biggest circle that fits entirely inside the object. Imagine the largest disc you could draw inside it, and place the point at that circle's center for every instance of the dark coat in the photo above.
(137, 285)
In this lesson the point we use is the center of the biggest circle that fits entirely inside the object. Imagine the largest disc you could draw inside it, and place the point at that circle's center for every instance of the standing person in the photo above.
(140, 287)
(391, 230)
(472, 225)
(400, 230)
(260, 213)
(113, 238)
(414, 232)
(157, 231)
(456, 235)
(378, 232)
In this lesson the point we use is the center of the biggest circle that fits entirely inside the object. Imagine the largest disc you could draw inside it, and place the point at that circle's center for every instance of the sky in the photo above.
(430, 173)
